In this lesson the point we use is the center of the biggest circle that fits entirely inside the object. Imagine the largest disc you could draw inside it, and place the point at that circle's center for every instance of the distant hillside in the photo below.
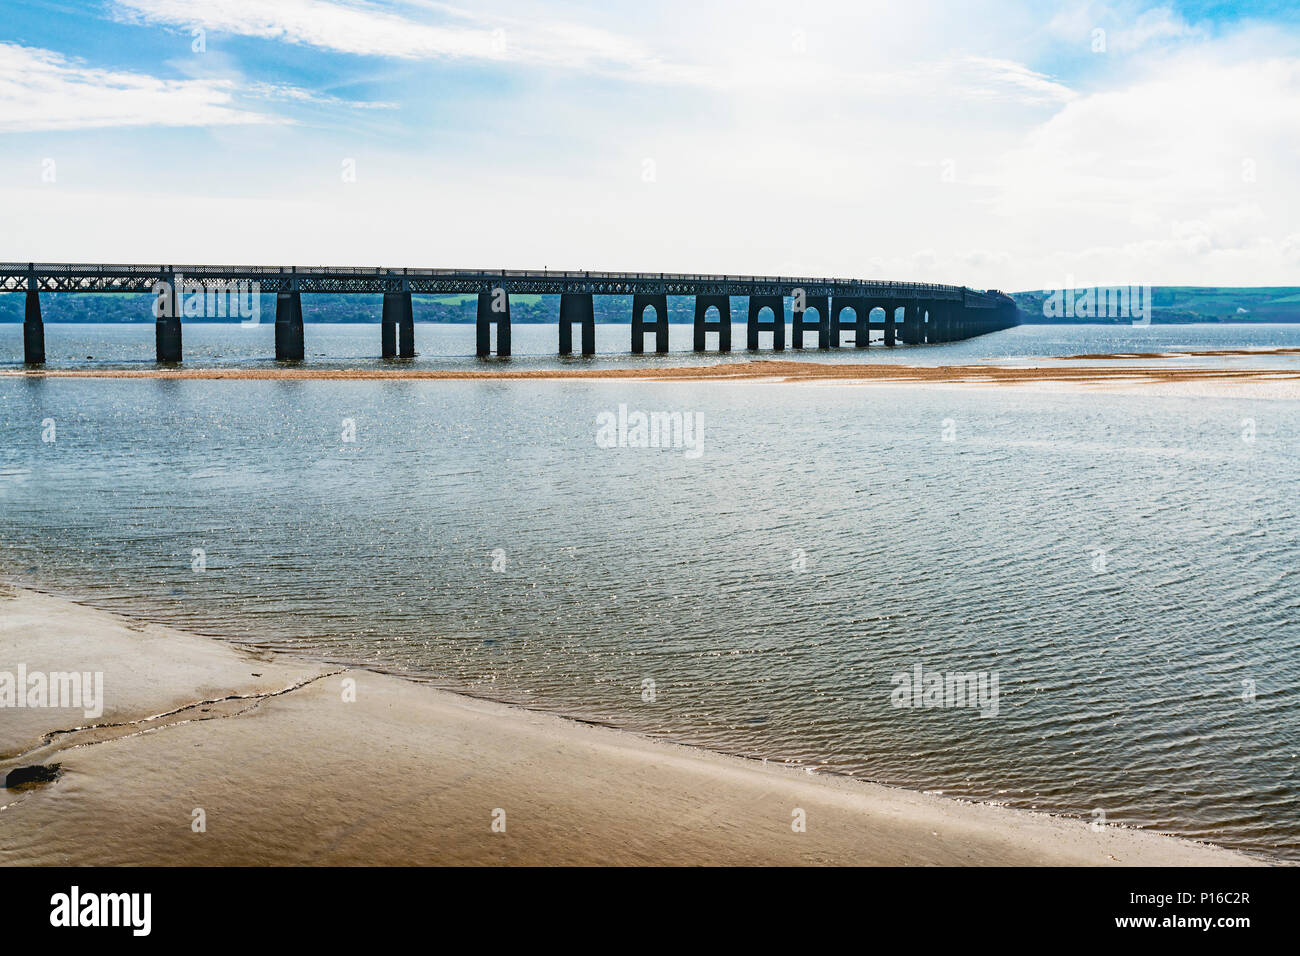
(1174, 304)
(333, 307)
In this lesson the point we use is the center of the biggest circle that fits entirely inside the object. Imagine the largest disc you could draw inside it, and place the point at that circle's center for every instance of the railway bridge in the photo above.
(910, 313)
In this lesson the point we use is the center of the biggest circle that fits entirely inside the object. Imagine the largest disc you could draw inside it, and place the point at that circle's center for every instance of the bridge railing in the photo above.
(13, 274)
(198, 269)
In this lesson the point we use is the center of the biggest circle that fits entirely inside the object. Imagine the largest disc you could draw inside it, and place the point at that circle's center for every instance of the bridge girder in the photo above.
(83, 278)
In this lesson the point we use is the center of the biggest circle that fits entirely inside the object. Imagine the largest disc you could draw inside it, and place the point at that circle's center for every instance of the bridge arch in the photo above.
(640, 303)
(820, 306)
(774, 305)
(705, 305)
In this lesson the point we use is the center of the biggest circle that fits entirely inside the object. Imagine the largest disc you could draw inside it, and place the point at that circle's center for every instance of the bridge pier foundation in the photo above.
(493, 309)
(398, 326)
(167, 340)
(947, 318)
(33, 330)
(861, 324)
(891, 325)
(289, 344)
(640, 303)
(775, 325)
(722, 325)
(167, 324)
(577, 307)
(911, 330)
(944, 319)
(799, 325)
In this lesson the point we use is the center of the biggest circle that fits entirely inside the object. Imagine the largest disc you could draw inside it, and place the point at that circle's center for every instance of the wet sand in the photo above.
(1284, 383)
(1215, 353)
(286, 770)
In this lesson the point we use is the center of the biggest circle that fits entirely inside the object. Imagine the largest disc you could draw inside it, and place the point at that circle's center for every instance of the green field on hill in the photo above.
(1184, 304)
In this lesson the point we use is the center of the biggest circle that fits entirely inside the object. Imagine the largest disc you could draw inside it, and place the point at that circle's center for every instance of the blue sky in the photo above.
(1001, 144)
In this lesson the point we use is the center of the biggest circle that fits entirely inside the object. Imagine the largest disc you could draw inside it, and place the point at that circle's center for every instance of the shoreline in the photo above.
(286, 771)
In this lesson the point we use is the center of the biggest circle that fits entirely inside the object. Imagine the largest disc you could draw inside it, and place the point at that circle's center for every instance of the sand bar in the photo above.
(770, 370)
(1150, 380)
(287, 772)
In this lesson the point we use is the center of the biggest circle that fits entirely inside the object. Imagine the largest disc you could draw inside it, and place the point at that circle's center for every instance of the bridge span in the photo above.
(910, 312)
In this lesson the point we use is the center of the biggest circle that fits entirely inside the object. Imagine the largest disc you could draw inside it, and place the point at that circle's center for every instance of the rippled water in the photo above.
(826, 539)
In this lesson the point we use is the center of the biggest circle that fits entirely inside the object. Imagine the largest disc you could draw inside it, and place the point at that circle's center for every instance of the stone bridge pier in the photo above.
(493, 310)
(640, 327)
(861, 324)
(722, 325)
(289, 343)
(775, 325)
(577, 307)
(33, 330)
(800, 323)
(167, 325)
(397, 333)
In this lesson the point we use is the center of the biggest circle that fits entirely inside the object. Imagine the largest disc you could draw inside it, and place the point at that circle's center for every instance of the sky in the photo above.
(1009, 145)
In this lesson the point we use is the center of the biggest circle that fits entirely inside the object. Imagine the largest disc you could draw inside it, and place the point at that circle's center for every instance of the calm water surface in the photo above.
(826, 539)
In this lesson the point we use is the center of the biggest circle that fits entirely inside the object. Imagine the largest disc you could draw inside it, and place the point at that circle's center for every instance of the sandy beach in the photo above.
(282, 767)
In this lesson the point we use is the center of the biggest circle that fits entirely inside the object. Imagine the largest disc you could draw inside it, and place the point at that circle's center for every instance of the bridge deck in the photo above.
(138, 278)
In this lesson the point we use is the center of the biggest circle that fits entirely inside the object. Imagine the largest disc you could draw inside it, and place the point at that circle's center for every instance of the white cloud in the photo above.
(358, 28)
(1127, 25)
(1153, 26)
(41, 90)
(294, 94)
(366, 29)
(992, 78)
(1188, 169)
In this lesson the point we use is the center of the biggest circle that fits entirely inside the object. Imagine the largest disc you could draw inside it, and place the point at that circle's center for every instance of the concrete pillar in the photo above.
(722, 326)
(860, 325)
(167, 339)
(912, 333)
(167, 326)
(640, 303)
(406, 330)
(938, 324)
(33, 330)
(289, 345)
(494, 309)
(398, 326)
(577, 307)
(891, 330)
(775, 325)
(799, 325)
